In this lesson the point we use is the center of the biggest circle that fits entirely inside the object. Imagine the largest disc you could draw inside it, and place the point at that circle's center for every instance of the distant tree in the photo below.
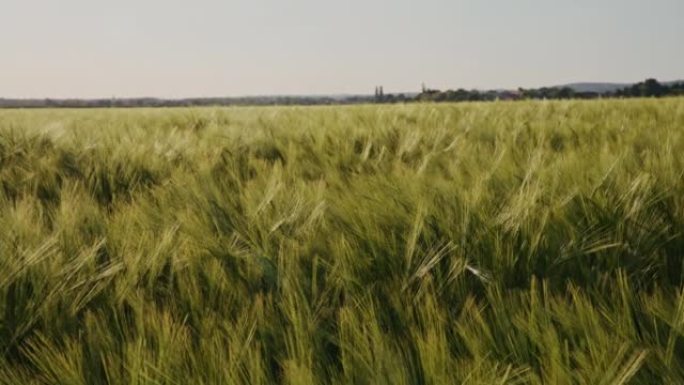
(565, 93)
(651, 87)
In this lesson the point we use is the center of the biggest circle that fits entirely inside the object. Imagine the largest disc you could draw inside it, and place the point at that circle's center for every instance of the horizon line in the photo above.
(329, 95)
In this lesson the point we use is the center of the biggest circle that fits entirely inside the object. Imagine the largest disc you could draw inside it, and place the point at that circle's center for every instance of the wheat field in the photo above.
(477, 243)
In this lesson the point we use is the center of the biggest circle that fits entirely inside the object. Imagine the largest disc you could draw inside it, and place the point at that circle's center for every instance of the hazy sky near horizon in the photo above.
(171, 48)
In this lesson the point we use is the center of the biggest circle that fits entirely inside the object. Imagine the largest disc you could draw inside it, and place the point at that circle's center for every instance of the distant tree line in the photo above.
(154, 102)
(647, 88)
(651, 88)
(463, 95)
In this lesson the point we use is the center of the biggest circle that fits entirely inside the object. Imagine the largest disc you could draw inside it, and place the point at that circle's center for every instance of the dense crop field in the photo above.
(497, 243)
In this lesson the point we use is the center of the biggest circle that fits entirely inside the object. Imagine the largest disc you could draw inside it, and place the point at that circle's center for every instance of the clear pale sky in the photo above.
(170, 48)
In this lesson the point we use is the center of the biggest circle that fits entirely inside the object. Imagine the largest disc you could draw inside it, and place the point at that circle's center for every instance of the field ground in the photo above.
(494, 243)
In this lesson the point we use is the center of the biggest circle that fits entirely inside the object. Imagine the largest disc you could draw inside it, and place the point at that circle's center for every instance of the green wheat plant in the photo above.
(477, 243)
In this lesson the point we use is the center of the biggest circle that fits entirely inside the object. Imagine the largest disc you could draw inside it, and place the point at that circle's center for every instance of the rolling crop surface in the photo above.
(477, 243)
